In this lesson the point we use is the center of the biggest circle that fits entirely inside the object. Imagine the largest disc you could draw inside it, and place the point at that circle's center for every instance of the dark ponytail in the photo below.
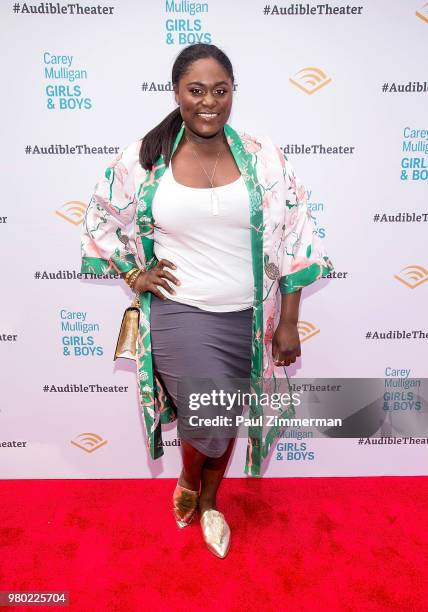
(160, 140)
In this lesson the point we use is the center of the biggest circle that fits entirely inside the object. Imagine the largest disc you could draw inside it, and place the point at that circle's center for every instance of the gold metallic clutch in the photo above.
(126, 346)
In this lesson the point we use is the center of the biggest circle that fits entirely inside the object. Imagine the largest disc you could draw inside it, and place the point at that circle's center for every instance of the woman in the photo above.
(211, 228)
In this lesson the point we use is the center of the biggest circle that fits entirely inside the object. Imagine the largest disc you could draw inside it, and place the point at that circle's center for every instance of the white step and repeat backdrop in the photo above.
(341, 87)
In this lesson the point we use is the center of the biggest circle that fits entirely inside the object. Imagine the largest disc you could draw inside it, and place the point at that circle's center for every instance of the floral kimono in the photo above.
(286, 256)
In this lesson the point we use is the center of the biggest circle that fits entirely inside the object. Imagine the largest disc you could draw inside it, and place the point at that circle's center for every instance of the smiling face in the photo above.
(204, 94)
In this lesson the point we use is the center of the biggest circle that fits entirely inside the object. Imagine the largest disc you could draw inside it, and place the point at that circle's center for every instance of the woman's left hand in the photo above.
(285, 344)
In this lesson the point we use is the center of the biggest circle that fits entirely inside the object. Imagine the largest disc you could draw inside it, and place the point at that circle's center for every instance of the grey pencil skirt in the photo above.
(190, 343)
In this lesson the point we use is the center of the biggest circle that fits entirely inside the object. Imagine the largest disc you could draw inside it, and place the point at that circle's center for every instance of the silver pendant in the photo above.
(214, 202)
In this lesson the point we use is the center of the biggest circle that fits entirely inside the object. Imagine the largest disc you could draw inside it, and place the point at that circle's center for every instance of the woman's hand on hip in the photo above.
(152, 279)
(285, 344)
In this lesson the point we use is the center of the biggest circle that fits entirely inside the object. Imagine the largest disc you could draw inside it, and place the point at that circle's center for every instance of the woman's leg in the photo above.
(193, 461)
(207, 472)
(213, 471)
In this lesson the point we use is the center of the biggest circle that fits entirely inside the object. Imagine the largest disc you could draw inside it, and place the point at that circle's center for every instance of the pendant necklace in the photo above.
(214, 196)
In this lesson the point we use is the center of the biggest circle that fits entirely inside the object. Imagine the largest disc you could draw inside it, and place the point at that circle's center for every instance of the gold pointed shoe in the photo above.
(185, 503)
(216, 532)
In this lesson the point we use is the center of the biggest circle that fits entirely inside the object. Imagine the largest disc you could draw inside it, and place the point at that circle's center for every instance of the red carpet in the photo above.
(299, 544)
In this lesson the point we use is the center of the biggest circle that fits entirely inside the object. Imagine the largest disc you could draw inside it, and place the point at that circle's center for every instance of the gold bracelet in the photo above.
(133, 279)
(128, 274)
(131, 276)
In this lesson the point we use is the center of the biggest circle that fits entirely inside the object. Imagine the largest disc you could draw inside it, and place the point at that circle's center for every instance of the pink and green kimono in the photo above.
(286, 256)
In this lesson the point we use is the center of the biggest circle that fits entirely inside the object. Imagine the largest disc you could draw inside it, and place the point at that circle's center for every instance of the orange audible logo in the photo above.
(310, 79)
(74, 212)
(88, 442)
(412, 276)
(306, 330)
(422, 13)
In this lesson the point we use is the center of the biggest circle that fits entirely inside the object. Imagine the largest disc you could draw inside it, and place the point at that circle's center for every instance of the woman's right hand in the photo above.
(152, 279)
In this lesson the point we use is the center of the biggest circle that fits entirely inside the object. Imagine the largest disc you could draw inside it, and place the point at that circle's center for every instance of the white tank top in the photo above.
(212, 252)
